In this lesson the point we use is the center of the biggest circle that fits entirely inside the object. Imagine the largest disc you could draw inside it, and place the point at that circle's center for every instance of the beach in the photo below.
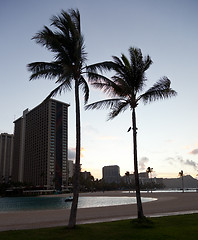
(167, 203)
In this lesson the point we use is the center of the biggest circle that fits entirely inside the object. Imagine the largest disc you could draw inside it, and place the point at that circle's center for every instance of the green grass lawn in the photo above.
(173, 227)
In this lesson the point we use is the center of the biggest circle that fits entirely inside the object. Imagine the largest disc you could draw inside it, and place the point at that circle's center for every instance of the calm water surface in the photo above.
(44, 203)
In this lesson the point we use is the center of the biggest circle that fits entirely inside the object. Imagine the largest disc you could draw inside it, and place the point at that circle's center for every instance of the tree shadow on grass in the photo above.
(142, 223)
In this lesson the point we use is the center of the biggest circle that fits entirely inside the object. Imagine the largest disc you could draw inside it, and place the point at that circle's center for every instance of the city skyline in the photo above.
(167, 31)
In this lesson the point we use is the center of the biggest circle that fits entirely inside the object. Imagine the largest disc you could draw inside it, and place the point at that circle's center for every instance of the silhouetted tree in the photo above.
(149, 170)
(67, 44)
(181, 174)
(125, 89)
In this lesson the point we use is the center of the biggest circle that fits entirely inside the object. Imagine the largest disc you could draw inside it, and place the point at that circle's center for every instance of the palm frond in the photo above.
(66, 42)
(96, 77)
(147, 63)
(117, 61)
(108, 86)
(125, 61)
(44, 69)
(66, 85)
(67, 23)
(130, 71)
(136, 57)
(101, 67)
(53, 41)
(160, 90)
(107, 103)
(67, 79)
(137, 69)
(118, 108)
(75, 16)
(120, 69)
(44, 37)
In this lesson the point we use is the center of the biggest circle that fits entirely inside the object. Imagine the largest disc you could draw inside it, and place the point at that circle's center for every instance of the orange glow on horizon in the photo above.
(82, 150)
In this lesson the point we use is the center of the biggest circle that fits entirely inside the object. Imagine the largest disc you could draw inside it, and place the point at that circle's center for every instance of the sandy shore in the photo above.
(166, 204)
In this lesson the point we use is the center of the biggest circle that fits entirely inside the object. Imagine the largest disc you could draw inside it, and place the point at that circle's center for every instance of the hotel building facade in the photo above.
(111, 174)
(40, 155)
(6, 150)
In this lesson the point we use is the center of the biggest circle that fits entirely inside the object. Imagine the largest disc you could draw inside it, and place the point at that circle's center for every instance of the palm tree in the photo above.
(181, 174)
(125, 91)
(67, 44)
(127, 174)
(149, 170)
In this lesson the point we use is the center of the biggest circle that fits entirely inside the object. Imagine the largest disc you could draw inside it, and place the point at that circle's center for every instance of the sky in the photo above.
(166, 30)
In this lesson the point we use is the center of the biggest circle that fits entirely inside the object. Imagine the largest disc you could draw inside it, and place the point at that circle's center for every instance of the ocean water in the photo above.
(46, 203)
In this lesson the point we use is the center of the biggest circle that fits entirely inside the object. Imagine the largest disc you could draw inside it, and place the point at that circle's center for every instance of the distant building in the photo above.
(6, 150)
(70, 168)
(41, 145)
(85, 174)
(143, 177)
(111, 174)
(130, 178)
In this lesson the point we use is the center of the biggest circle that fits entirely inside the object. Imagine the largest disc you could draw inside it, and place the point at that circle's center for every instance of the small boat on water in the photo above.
(69, 199)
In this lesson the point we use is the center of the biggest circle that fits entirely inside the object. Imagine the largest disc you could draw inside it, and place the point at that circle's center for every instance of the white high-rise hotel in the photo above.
(40, 155)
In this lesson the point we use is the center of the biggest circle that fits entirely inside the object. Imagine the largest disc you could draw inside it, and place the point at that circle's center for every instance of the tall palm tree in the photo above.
(68, 66)
(181, 174)
(149, 170)
(125, 91)
(127, 174)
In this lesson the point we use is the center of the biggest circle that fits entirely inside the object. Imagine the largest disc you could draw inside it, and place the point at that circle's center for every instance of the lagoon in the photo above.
(45, 203)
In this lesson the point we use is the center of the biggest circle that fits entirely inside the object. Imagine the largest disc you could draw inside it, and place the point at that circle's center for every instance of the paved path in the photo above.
(166, 204)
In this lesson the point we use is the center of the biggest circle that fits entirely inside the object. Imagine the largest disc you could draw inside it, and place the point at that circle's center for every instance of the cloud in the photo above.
(188, 162)
(191, 163)
(142, 163)
(170, 160)
(182, 161)
(72, 153)
(194, 151)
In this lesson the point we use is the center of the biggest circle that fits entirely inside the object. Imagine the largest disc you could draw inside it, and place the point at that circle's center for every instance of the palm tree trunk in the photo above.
(73, 212)
(182, 183)
(137, 185)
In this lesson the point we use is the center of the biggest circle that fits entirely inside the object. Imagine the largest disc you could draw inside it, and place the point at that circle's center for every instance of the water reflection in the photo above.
(44, 203)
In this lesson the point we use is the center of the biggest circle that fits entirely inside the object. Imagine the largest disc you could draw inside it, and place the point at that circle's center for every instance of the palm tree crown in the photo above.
(67, 44)
(126, 86)
(149, 170)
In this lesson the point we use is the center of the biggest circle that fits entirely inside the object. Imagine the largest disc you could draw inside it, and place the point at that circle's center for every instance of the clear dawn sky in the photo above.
(166, 30)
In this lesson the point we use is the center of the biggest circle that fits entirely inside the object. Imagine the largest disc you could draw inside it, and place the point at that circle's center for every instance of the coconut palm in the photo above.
(125, 91)
(127, 175)
(181, 174)
(67, 68)
(149, 170)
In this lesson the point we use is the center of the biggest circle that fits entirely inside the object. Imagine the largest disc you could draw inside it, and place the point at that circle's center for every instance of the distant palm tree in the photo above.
(149, 170)
(127, 174)
(181, 174)
(68, 66)
(124, 90)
